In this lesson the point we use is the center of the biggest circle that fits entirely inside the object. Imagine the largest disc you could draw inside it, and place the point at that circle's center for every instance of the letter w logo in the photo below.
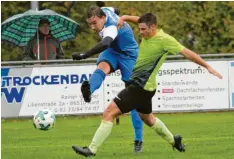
(13, 94)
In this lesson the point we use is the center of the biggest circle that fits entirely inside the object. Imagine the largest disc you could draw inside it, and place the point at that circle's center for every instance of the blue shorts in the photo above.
(124, 63)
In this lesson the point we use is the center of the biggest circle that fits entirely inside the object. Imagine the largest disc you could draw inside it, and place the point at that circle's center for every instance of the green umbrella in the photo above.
(19, 28)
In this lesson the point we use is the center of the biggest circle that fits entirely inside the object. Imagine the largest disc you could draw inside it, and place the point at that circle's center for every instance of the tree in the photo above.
(205, 27)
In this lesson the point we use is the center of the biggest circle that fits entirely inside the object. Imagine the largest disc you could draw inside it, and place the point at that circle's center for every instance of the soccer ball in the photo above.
(44, 119)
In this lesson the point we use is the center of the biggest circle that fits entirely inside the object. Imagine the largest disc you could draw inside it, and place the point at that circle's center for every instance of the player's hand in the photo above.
(79, 56)
(120, 22)
(214, 72)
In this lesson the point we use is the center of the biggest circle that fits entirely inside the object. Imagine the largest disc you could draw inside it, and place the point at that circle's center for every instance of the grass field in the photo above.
(207, 136)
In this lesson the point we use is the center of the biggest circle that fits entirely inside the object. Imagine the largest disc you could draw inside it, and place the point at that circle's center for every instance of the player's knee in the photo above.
(111, 112)
(108, 115)
(149, 120)
(105, 67)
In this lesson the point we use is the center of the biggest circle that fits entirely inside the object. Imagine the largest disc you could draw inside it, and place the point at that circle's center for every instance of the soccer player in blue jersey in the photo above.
(119, 50)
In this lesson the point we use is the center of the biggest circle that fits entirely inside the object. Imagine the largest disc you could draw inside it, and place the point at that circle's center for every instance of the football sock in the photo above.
(160, 128)
(96, 79)
(101, 135)
(137, 124)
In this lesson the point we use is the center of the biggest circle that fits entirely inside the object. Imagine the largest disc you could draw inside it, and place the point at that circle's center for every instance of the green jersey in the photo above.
(152, 54)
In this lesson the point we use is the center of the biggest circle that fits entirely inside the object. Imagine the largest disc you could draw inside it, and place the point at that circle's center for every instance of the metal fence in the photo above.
(226, 56)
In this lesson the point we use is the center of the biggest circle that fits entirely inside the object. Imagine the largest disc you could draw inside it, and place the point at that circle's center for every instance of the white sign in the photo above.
(181, 86)
(112, 86)
(187, 86)
(231, 82)
(58, 89)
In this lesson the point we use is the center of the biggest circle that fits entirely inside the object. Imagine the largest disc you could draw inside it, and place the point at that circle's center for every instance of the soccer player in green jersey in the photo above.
(153, 50)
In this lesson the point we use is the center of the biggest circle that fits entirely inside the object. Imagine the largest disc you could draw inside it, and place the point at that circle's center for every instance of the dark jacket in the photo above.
(50, 48)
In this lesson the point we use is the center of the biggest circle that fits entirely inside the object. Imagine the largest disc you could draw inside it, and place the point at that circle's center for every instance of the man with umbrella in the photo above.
(20, 28)
(43, 42)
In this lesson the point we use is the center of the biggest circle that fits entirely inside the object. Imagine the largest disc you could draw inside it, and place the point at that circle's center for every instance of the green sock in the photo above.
(160, 128)
(100, 136)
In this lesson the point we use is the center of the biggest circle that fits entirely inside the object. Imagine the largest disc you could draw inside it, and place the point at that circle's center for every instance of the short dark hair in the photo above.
(148, 18)
(95, 11)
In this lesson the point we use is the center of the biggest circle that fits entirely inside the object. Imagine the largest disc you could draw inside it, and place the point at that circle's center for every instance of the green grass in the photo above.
(207, 136)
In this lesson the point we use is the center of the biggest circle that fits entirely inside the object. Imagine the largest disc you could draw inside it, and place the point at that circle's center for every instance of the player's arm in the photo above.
(109, 35)
(192, 56)
(127, 18)
(117, 11)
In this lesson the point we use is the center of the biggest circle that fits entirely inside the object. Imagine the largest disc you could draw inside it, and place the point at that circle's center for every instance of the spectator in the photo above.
(49, 47)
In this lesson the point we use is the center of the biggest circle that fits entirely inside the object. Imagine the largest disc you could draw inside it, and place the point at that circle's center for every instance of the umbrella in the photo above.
(19, 28)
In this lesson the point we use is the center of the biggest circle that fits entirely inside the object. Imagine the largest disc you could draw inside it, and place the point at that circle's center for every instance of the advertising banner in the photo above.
(231, 82)
(112, 86)
(187, 86)
(26, 90)
(182, 86)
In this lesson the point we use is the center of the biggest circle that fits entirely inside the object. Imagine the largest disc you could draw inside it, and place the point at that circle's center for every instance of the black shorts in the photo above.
(134, 97)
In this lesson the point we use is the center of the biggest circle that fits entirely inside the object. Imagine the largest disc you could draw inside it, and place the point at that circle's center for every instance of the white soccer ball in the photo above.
(44, 119)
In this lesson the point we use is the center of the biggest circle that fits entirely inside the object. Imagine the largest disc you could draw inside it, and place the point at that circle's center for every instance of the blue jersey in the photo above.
(124, 42)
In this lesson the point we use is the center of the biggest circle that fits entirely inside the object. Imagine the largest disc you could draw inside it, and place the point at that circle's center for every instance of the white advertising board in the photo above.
(231, 82)
(187, 86)
(182, 86)
(112, 86)
(54, 88)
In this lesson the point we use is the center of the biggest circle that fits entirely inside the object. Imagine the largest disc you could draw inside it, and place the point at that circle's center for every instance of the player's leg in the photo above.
(126, 65)
(160, 128)
(121, 104)
(138, 130)
(155, 123)
(106, 64)
(104, 130)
